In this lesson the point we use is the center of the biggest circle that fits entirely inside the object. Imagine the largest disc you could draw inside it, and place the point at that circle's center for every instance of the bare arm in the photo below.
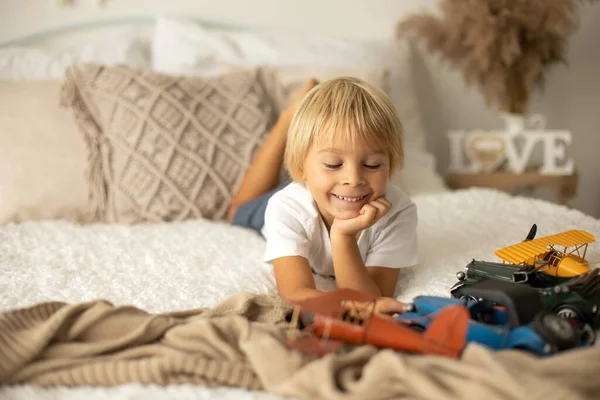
(350, 270)
(385, 278)
(294, 278)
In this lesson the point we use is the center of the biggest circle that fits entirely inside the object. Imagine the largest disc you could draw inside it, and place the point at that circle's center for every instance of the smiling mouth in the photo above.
(350, 199)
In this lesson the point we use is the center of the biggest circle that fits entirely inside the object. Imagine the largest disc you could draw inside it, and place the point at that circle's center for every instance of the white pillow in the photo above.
(187, 48)
(121, 46)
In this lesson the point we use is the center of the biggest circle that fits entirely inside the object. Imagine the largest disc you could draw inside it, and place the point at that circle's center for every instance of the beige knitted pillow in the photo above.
(166, 148)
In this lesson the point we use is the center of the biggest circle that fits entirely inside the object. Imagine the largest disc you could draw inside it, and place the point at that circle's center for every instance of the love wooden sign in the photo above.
(486, 151)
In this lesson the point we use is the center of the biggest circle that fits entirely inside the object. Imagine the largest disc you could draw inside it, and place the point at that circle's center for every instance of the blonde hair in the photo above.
(351, 109)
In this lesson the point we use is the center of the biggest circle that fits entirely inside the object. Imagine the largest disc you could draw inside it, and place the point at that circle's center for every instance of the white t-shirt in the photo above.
(294, 227)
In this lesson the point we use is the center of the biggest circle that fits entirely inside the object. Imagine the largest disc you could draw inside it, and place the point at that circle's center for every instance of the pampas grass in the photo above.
(506, 47)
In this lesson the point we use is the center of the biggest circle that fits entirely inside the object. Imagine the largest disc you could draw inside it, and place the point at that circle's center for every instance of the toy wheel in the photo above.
(588, 334)
(569, 312)
(469, 299)
(557, 331)
(574, 315)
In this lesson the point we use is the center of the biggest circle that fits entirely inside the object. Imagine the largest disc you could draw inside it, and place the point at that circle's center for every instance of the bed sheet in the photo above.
(171, 266)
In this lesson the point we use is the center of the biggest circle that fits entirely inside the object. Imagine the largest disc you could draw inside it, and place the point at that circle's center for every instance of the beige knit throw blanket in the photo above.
(236, 343)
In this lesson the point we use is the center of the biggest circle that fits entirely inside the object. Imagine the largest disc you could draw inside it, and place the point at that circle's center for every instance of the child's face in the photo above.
(342, 180)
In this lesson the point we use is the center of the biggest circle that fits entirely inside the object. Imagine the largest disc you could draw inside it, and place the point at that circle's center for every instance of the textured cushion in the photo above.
(42, 155)
(166, 148)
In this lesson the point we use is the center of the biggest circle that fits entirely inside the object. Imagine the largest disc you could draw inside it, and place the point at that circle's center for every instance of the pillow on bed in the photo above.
(42, 155)
(183, 47)
(167, 148)
(119, 47)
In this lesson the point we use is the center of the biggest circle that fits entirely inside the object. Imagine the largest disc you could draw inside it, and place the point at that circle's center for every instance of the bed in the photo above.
(52, 250)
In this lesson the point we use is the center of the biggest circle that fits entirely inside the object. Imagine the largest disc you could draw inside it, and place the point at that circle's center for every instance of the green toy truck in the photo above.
(575, 298)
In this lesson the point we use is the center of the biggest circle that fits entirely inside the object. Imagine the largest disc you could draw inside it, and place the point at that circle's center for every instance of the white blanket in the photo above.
(192, 264)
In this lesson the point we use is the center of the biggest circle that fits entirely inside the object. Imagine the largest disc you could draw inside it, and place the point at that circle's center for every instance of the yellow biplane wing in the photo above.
(521, 252)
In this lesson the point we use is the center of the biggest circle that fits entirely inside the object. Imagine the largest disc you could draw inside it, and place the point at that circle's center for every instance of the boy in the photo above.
(340, 216)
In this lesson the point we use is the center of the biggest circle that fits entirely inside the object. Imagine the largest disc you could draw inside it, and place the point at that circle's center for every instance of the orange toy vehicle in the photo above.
(346, 316)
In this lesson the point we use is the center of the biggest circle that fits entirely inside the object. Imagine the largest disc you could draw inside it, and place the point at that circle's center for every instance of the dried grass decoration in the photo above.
(506, 47)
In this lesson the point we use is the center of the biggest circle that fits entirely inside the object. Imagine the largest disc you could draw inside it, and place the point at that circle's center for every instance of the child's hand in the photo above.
(390, 306)
(385, 307)
(368, 215)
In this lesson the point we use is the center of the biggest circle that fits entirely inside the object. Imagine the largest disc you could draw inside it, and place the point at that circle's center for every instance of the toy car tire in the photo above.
(466, 299)
(457, 294)
(567, 311)
(571, 312)
(589, 334)
(556, 330)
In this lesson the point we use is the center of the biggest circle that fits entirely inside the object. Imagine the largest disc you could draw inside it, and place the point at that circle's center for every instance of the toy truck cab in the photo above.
(477, 271)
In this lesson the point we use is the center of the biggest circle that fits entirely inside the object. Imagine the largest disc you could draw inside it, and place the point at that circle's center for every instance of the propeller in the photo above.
(532, 233)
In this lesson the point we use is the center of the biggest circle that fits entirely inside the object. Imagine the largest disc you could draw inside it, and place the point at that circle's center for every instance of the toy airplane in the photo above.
(543, 253)
(345, 316)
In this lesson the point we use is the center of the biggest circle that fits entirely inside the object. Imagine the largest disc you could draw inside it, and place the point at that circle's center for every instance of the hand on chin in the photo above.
(351, 223)
(346, 215)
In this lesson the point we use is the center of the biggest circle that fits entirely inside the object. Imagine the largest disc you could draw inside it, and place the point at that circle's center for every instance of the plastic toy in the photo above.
(345, 316)
(576, 298)
(544, 253)
(512, 317)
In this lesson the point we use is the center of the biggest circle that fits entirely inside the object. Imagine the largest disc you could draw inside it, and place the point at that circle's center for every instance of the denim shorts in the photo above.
(252, 214)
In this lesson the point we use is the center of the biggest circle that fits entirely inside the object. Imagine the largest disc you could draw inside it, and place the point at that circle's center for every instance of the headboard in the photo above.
(65, 32)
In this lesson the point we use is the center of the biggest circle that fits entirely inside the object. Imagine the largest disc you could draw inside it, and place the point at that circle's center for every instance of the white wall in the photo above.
(571, 99)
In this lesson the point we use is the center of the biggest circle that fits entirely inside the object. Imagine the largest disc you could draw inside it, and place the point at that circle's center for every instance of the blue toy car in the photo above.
(510, 317)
